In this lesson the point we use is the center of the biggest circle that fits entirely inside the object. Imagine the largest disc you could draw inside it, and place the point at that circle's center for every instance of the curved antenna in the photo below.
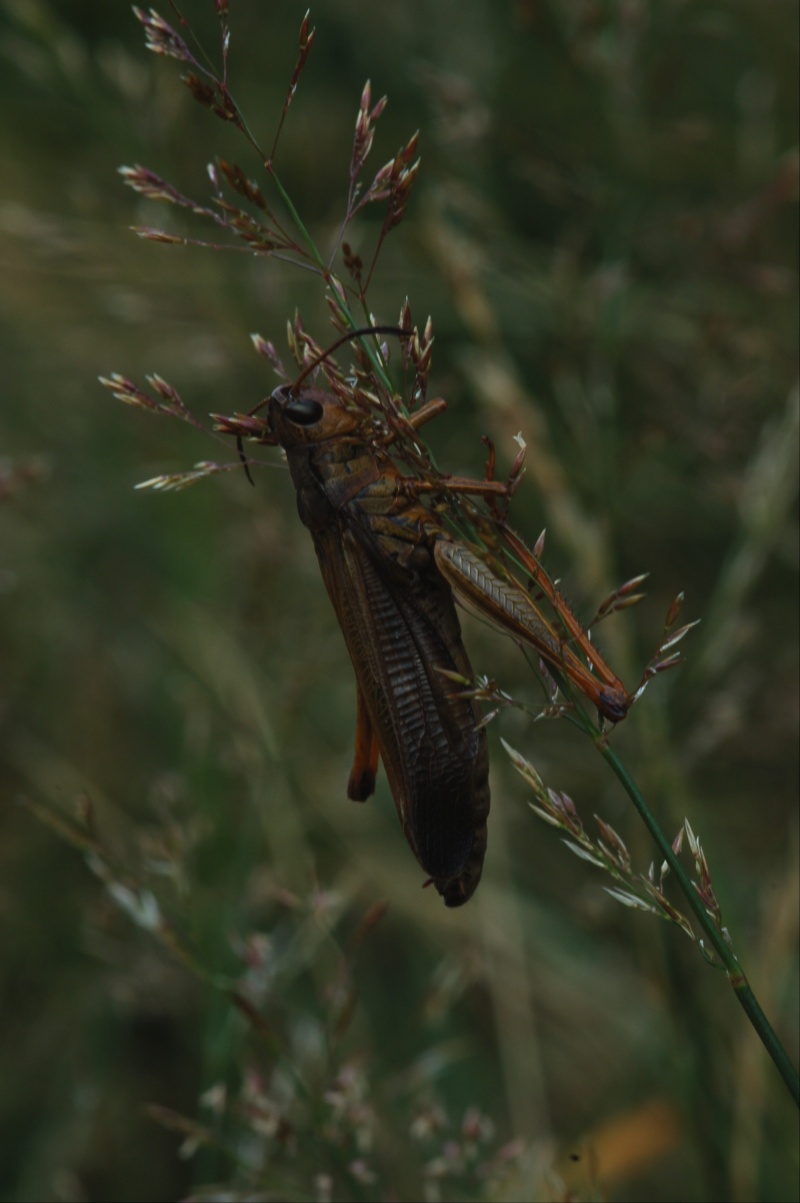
(346, 338)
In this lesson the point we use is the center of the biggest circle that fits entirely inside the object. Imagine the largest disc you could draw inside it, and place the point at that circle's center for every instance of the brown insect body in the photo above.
(376, 550)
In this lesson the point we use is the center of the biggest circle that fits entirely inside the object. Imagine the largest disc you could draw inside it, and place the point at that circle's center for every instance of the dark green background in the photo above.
(605, 232)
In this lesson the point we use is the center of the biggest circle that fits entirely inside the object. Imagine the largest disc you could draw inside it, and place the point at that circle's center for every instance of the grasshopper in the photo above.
(391, 569)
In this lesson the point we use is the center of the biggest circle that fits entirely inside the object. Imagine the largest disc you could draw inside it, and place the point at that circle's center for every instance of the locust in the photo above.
(391, 570)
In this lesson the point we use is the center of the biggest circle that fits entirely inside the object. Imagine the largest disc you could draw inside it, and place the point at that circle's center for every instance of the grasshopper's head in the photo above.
(300, 417)
(307, 416)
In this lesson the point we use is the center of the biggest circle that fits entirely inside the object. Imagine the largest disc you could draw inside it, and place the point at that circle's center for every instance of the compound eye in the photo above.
(305, 411)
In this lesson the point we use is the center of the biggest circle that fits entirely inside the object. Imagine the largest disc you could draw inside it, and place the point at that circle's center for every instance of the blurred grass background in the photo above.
(605, 232)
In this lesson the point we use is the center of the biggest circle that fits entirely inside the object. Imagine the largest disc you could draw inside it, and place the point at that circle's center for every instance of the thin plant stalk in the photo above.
(736, 975)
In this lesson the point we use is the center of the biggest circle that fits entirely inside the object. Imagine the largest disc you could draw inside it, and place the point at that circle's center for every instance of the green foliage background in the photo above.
(605, 232)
